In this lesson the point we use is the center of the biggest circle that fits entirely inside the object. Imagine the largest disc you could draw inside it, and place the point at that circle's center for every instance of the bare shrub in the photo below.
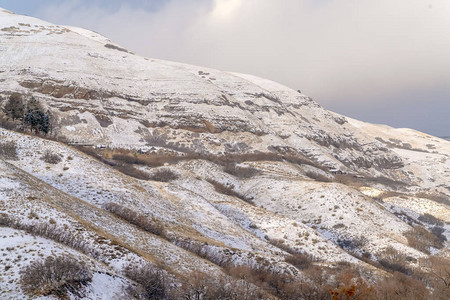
(438, 275)
(164, 175)
(421, 239)
(394, 260)
(7, 221)
(279, 243)
(438, 233)
(229, 190)
(223, 287)
(51, 158)
(300, 260)
(241, 172)
(55, 276)
(204, 251)
(147, 223)
(152, 282)
(400, 287)
(351, 244)
(8, 150)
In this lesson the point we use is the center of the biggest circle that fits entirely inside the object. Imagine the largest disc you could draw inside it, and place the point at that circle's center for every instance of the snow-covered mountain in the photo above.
(230, 167)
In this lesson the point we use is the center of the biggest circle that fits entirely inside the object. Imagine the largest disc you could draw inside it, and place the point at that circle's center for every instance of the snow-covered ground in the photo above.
(325, 185)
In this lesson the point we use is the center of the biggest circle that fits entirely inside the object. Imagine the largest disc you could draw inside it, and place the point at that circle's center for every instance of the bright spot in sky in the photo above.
(224, 9)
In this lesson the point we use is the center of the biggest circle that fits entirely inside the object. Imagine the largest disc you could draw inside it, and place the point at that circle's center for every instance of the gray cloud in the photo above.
(347, 53)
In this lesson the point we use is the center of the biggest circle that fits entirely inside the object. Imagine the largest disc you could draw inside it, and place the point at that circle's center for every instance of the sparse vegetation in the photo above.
(50, 231)
(56, 276)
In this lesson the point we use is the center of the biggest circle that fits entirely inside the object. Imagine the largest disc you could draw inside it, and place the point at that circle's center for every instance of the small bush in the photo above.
(8, 150)
(152, 283)
(204, 251)
(164, 175)
(223, 287)
(351, 244)
(241, 172)
(393, 260)
(55, 276)
(51, 158)
(400, 286)
(300, 260)
(146, 223)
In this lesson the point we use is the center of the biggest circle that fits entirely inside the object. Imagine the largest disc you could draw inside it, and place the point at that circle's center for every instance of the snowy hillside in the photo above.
(188, 170)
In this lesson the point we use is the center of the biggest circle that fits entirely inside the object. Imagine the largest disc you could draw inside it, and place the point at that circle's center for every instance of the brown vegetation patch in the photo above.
(51, 158)
(55, 276)
(164, 175)
(8, 150)
(421, 239)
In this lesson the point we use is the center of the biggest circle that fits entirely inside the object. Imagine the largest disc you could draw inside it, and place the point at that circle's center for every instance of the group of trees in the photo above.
(29, 112)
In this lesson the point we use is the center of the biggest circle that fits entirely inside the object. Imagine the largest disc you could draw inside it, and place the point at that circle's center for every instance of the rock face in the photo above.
(315, 173)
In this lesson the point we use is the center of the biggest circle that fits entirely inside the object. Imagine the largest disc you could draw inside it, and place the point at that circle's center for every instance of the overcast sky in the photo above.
(382, 61)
